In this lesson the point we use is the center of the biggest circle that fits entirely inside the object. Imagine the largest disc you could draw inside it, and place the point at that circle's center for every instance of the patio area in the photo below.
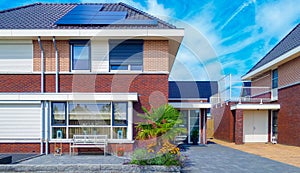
(281, 153)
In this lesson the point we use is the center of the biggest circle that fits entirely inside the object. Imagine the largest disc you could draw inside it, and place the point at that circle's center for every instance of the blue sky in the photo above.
(221, 37)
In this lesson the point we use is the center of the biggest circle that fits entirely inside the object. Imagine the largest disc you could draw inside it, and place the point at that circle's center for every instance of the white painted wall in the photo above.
(16, 56)
(20, 121)
(99, 55)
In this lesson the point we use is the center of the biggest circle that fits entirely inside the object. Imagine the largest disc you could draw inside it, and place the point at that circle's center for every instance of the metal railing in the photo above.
(242, 95)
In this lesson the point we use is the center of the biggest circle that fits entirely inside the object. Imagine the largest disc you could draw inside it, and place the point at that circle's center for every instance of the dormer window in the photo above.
(126, 55)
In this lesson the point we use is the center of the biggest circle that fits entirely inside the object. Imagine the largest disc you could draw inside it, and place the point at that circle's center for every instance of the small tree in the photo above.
(162, 123)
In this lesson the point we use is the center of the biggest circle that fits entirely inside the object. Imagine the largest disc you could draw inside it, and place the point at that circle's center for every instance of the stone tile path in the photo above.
(77, 159)
(281, 153)
(214, 158)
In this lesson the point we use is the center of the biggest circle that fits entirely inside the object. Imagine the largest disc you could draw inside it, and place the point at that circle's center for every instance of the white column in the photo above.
(200, 127)
(46, 127)
(204, 126)
(42, 127)
(130, 121)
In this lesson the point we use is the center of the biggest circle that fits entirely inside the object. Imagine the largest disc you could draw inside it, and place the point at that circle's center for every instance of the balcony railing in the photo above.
(243, 95)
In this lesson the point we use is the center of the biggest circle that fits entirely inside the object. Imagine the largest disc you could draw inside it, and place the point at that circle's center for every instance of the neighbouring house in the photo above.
(268, 109)
(191, 98)
(69, 69)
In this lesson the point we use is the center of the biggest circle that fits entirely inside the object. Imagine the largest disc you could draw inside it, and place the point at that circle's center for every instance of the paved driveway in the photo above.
(215, 158)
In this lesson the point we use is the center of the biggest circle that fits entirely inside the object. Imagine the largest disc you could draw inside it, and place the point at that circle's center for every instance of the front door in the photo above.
(255, 126)
(274, 125)
(194, 125)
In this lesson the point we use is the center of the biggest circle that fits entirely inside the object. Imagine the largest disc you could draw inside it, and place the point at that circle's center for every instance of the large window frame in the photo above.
(113, 130)
(84, 46)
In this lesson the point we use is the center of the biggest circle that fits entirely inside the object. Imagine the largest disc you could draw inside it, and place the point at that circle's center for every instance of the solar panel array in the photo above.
(92, 15)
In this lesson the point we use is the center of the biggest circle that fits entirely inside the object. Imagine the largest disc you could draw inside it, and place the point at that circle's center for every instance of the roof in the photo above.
(44, 16)
(289, 42)
(192, 89)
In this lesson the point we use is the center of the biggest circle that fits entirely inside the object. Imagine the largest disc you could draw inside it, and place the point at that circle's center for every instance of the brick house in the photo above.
(268, 110)
(80, 69)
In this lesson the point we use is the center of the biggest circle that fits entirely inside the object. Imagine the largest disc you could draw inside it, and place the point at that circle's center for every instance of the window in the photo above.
(120, 114)
(59, 114)
(101, 118)
(58, 118)
(126, 55)
(80, 54)
(275, 78)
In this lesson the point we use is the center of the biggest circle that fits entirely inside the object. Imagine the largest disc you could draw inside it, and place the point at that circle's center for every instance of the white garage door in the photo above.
(20, 121)
(255, 126)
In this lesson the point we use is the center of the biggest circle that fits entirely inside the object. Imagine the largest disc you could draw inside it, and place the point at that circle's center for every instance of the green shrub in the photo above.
(142, 157)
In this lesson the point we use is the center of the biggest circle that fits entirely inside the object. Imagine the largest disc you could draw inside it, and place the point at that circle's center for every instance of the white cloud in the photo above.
(277, 17)
(204, 42)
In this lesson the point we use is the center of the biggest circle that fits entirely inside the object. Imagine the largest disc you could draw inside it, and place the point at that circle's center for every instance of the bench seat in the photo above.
(88, 141)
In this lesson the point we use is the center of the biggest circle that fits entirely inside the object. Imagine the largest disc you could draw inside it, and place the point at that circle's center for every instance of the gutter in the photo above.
(56, 65)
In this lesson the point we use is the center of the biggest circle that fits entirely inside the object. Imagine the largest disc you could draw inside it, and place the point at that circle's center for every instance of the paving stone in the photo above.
(216, 158)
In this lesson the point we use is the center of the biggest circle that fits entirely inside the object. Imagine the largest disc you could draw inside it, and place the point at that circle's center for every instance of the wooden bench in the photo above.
(88, 141)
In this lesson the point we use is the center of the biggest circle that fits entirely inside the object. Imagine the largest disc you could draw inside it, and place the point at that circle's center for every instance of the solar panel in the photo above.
(137, 22)
(82, 12)
(91, 15)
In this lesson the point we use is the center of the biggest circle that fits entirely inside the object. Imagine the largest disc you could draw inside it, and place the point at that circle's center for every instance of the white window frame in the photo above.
(129, 116)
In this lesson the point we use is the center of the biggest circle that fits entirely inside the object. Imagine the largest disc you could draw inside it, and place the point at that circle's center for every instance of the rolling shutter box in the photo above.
(126, 52)
(16, 56)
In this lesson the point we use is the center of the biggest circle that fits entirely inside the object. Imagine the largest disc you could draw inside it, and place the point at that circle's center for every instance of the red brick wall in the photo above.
(111, 148)
(20, 83)
(289, 116)
(223, 123)
(19, 148)
(152, 88)
(238, 133)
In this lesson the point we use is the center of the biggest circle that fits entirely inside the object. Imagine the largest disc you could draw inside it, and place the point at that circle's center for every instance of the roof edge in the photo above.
(274, 48)
(148, 15)
(272, 63)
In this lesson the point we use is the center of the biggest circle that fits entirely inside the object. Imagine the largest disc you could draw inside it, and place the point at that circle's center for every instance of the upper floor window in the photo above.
(126, 55)
(80, 55)
(275, 78)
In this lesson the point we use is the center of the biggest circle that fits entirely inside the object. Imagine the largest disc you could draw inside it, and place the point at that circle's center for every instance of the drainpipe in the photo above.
(42, 91)
(56, 65)
(42, 64)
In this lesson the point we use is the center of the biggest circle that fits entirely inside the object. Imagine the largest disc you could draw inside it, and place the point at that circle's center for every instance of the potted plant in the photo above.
(120, 151)
(195, 136)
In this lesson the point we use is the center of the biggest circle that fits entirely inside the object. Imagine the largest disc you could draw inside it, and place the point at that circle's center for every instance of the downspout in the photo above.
(56, 65)
(42, 64)
(42, 91)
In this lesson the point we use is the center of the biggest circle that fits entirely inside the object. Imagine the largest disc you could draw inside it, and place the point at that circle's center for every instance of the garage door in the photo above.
(20, 121)
(255, 126)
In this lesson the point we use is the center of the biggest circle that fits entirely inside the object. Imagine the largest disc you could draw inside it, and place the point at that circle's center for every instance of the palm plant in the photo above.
(161, 122)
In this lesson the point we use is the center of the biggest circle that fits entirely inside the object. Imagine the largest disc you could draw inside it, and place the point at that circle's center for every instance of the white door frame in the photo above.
(189, 126)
